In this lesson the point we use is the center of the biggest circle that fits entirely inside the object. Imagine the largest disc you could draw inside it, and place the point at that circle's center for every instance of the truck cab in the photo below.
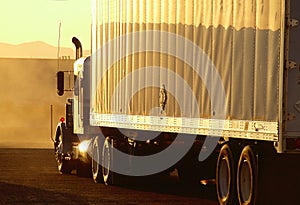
(81, 95)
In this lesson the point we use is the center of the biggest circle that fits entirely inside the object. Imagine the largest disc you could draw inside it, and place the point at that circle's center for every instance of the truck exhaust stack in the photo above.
(78, 46)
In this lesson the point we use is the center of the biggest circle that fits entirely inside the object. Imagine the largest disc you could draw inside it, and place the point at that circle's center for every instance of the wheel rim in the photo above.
(245, 181)
(224, 178)
(95, 161)
(59, 152)
(59, 165)
(106, 162)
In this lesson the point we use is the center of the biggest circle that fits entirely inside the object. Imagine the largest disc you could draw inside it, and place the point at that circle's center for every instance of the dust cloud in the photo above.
(28, 89)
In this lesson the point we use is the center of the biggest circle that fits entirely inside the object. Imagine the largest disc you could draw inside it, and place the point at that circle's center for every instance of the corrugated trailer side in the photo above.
(203, 68)
(218, 62)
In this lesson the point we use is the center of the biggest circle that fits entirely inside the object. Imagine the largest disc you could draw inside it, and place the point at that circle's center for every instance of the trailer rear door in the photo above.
(293, 75)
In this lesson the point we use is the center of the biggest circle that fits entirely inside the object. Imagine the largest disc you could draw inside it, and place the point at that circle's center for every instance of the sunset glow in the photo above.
(39, 20)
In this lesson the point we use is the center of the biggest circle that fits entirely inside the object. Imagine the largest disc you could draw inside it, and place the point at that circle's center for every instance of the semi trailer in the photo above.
(210, 88)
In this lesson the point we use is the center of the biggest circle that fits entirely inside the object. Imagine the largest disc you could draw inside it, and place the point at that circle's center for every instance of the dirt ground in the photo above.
(30, 177)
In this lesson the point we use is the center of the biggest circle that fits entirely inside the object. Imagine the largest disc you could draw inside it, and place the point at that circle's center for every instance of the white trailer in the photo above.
(218, 77)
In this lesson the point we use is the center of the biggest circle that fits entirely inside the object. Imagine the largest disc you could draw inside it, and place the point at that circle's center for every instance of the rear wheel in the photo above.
(226, 176)
(96, 163)
(107, 158)
(247, 177)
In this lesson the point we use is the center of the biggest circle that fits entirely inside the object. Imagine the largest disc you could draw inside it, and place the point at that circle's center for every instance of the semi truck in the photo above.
(209, 88)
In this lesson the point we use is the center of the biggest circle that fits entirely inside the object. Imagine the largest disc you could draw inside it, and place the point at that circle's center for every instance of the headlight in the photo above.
(84, 145)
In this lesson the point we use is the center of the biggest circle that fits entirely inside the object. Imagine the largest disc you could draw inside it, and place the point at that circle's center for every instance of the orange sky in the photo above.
(38, 20)
(29, 85)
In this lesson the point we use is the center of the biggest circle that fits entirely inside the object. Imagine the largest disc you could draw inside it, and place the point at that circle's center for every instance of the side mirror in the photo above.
(60, 83)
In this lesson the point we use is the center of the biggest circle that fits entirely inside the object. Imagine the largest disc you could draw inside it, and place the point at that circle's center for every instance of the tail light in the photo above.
(298, 143)
(293, 143)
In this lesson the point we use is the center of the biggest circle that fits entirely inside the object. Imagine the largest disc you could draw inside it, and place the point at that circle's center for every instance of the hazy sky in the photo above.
(38, 20)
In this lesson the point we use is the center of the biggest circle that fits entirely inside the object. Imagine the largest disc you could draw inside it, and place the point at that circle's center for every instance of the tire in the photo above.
(64, 166)
(247, 177)
(107, 161)
(226, 175)
(96, 157)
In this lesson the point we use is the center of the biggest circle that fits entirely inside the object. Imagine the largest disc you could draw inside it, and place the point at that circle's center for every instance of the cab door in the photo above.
(78, 96)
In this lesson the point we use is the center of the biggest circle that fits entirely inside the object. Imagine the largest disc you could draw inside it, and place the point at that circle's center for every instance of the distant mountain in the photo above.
(35, 49)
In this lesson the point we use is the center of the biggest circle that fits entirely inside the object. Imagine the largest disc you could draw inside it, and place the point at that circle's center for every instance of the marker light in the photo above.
(62, 119)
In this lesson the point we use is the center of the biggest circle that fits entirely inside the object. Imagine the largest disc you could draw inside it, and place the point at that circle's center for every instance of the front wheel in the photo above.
(64, 166)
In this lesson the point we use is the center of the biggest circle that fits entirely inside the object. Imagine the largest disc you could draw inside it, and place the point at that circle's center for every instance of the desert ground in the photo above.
(29, 176)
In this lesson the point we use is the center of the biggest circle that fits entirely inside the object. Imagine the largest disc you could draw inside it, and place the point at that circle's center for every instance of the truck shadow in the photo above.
(170, 185)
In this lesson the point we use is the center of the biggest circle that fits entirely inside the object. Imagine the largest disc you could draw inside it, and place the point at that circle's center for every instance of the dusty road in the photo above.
(30, 177)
